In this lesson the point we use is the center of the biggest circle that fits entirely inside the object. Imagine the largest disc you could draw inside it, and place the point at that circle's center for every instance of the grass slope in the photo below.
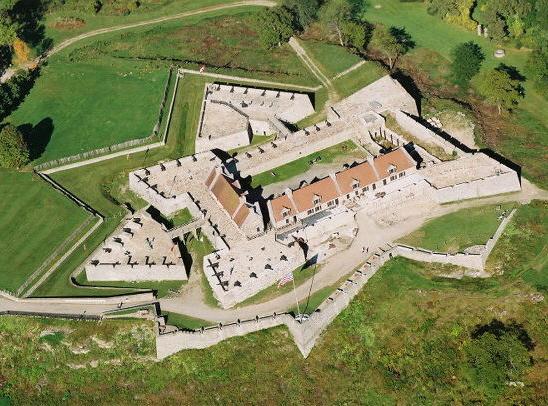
(458, 230)
(34, 220)
(402, 340)
(523, 138)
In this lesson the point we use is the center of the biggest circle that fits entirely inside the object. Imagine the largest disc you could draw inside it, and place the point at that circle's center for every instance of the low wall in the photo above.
(472, 261)
(110, 273)
(170, 343)
(503, 183)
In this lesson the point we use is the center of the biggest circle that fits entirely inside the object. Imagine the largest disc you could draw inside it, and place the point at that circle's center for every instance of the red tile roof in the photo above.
(364, 173)
(325, 189)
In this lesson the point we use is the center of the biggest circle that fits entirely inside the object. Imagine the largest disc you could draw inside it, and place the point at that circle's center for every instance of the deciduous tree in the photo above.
(392, 42)
(498, 88)
(467, 59)
(14, 152)
(274, 26)
(305, 11)
(334, 13)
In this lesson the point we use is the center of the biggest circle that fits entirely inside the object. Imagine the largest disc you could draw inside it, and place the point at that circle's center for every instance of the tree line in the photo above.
(345, 21)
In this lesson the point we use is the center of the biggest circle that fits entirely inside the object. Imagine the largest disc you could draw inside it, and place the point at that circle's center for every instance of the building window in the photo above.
(355, 185)
(337, 200)
(402, 174)
(393, 177)
(356, 192)
(373, 186)
(310, 211)
(317, 200)
(392, 169)
(317, 208)
(384, 181)
(366, 188)
(286, 221)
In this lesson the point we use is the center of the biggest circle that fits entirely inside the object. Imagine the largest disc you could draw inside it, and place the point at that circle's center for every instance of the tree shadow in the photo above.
(403, 38)
(514, 74)
(29, 15)
(499, 329)
(37, 137)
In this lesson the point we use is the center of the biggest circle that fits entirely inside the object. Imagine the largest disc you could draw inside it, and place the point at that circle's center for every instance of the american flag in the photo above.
(285, 279)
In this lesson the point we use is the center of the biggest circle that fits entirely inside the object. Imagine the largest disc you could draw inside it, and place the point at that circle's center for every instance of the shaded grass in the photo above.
(301, 165)
(34, 220)
(458, 230)
(185, 322)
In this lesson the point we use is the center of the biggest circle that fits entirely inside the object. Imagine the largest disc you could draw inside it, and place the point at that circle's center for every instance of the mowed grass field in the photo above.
(90, 106)
(108, 89)
(34, 220)
(458, 230)
(402, 340)
(523, 139)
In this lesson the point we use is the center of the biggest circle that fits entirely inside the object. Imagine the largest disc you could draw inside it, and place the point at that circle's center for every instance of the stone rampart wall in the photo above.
(503, 183)
(107, 272)
(472, 261)
(422, 133)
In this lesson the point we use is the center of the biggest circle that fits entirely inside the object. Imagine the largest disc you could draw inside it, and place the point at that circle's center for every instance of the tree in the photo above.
(14, 152)
(499, 88)
(334, 13)
(498, 354)
(274, 26)
(355, 35)
(304, 11)
(392, 42)
(537, 67)
(8, 33)
(467, 59)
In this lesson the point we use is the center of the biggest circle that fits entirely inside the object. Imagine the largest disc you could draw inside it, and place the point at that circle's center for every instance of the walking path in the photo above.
(311, 65)
(72, 306)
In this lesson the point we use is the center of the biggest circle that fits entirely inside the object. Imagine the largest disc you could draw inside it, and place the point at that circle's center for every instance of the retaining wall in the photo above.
(493, 185)
(105, 273)
(422, 133)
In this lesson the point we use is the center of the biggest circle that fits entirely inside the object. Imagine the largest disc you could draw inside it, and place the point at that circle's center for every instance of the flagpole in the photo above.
(296, 300)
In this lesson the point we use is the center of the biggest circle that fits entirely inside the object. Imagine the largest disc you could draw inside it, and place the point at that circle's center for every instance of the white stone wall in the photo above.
(422, 133)
(105, 273)
(225, 143)
(473, 261)
(493, 185)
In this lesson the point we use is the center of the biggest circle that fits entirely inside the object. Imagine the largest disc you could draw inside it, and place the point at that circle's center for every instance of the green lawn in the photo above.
(302, 165)
(458, 230)
(332, 59)
(358, 78)
(402, 340)
(34, 220)
(106, 90)
(78, 107)
(180, 218)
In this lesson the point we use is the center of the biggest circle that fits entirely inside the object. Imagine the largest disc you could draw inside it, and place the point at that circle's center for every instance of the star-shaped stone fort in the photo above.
(259, 237)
